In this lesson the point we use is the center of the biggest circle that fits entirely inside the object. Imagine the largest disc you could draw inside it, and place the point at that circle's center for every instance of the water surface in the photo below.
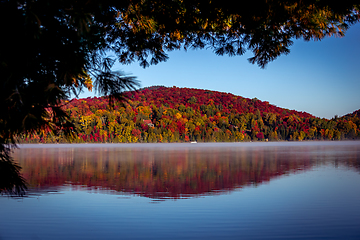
(307, 190)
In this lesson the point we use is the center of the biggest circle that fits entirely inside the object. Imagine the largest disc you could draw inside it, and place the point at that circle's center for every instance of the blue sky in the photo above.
(318, 77)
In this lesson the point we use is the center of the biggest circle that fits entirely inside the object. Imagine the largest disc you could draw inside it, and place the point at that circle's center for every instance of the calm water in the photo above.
(307, 190)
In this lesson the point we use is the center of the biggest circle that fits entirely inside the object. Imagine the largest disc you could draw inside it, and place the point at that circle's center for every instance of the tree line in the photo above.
(163, 114)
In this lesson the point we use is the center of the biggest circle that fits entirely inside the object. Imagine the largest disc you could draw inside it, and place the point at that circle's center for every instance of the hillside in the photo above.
(353, 115)
(162, 114)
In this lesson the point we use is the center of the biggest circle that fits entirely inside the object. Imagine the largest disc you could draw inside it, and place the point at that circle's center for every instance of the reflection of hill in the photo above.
(171, 173)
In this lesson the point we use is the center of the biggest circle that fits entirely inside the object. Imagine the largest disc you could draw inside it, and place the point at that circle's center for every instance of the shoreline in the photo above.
(192, 145)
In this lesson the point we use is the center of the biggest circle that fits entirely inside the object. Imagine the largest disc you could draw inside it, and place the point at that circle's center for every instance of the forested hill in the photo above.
(204, 100)
(162, 114)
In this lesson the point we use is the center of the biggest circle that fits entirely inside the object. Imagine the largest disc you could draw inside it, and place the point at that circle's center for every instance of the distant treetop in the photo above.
(154, 87)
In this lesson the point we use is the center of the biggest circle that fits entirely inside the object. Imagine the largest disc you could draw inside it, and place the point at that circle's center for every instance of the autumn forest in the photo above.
(172, 114)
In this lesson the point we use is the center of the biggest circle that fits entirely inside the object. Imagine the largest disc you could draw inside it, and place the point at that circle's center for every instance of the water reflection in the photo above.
(173, 171)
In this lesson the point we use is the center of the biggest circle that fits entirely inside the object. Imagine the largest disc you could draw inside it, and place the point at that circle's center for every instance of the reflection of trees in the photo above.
(171, 173)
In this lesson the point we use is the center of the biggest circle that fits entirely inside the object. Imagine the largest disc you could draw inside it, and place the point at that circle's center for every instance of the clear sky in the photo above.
(321, 78)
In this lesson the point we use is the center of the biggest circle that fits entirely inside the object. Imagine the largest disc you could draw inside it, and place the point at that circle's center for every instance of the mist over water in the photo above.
(306, 190)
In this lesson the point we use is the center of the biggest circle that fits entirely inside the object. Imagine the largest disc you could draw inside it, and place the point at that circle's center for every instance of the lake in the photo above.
(267, 190)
